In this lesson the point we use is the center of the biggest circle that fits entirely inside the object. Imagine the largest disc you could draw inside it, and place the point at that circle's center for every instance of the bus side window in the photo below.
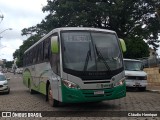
(24, 60)
(27, 58)
(34, 55)
(41, 51)
(31, 57)
(46, 49)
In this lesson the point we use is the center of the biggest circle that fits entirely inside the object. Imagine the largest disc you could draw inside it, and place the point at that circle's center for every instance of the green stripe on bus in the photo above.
(78, 95)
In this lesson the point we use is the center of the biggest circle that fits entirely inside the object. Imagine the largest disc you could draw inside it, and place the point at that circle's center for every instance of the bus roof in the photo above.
(132, 60)
(69, 28)
(83, 28)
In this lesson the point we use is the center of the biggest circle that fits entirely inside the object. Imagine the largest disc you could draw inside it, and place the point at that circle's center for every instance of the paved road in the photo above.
(20, 99)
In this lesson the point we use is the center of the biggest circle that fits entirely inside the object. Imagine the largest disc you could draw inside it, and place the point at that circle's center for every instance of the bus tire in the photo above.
(52, 102)
(30, 89)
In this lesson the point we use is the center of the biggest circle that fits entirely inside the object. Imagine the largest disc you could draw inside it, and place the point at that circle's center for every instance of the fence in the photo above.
(149, 62)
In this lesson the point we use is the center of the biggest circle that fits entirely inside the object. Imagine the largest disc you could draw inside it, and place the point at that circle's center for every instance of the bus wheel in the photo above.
(52, 102)
(30, 89)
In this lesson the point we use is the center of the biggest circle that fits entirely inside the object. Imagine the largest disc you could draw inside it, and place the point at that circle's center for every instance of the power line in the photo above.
(1, 16)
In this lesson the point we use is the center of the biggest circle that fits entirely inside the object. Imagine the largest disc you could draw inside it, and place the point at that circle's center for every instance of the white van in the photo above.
(135, 76)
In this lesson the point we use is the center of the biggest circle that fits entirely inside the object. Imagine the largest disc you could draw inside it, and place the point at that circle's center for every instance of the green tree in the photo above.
(135, 48)
(133, 20)
(8, 64)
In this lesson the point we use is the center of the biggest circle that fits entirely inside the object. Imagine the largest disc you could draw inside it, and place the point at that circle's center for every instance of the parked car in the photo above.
(135, 76)
(4, 88)
(19, 70)
(9, 69)
(4, 70)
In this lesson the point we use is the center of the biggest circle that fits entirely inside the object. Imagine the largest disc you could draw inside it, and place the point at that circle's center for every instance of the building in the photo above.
(152, 53)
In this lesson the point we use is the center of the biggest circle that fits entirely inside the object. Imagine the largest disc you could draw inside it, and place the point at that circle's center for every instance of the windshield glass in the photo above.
(2, 78)
(133, 65)
(90, 51)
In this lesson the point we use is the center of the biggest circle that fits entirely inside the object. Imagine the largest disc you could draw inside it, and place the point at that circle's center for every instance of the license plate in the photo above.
(98, 92)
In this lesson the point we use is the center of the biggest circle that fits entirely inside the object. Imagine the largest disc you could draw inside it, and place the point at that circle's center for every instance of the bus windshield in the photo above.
(133, 65)
(90, 51)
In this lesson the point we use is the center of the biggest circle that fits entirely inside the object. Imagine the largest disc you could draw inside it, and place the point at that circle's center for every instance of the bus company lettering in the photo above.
(104, 85)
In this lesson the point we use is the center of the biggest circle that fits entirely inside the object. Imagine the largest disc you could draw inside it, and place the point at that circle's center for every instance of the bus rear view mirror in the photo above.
(54, 44)
(123, 45)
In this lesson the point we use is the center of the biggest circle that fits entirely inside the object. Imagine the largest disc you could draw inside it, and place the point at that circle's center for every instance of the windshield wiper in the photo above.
(131, 69)
(116, 58)
(136, 70)
(87, 58)
(102, 58)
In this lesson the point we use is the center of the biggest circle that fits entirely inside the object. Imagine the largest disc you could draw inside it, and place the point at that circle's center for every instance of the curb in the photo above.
(155, 91)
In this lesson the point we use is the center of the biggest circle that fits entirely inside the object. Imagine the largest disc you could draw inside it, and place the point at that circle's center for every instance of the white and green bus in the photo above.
(76, 64)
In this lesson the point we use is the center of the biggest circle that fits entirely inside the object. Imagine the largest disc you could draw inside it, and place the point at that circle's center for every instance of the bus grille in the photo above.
(136, 77)
(92, 82)
(90, 93)
(1, 86)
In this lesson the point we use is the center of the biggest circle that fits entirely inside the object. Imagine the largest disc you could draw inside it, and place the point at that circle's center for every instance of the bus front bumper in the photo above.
(78, 95)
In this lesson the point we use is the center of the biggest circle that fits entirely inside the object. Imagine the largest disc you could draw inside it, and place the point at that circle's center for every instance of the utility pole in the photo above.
(1, 36)
(1, 16)
(5, 30)
(1, 46)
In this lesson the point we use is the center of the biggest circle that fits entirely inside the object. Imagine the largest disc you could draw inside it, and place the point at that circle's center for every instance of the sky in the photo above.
(18, 14)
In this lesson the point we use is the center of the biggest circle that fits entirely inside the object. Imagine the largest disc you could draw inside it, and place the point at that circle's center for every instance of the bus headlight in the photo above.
(70, 84)
(121, 82)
